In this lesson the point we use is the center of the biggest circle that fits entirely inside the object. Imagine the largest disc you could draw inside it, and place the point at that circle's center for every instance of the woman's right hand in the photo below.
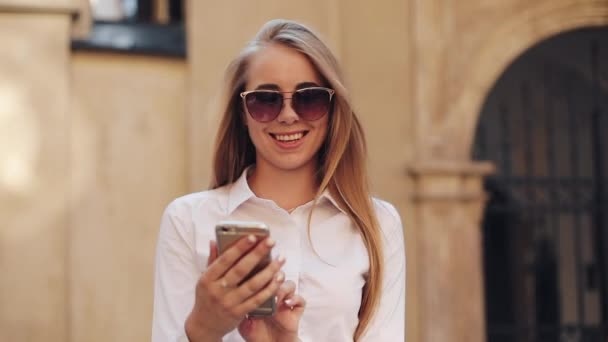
(220, 304)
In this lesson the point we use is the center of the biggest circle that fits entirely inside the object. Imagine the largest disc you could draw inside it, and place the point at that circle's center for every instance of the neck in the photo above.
(288, 189)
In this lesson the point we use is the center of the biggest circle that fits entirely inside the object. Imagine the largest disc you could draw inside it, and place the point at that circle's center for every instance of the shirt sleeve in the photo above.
(388, 323)
(176, 275)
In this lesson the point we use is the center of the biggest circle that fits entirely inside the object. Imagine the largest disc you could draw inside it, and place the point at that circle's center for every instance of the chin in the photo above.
(285, 163)
(290, 166)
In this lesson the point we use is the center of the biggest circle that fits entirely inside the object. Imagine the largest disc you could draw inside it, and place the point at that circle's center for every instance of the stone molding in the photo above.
(78, 10)
(448, 199)
(40, 7)
(451, 167)
(510, 39)
(449, 181)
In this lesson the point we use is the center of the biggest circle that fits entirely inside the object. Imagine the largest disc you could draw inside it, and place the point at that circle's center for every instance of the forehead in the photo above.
(281, 66)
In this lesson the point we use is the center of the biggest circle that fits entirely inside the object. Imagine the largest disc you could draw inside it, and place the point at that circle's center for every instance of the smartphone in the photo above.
(229, 232)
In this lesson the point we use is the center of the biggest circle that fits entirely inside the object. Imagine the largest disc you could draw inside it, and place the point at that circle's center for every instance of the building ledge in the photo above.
(464, 168)
(25, 7)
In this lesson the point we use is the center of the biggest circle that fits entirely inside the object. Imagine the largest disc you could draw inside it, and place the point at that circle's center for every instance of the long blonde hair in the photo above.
(341, 157)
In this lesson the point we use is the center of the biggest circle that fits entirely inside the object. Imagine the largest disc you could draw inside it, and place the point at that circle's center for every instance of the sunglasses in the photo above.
(309, 103)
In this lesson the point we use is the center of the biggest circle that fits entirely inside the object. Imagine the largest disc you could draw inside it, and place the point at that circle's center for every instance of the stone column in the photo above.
(448, 203)
(34, 173)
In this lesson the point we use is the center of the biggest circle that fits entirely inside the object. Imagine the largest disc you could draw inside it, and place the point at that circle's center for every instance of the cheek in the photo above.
(323, 128)
(255, 132)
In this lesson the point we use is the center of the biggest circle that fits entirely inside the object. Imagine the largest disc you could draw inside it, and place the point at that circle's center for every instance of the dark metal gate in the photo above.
(545, 125)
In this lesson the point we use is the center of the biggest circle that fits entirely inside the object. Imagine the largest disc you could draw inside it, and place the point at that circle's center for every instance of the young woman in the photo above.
(290, 152)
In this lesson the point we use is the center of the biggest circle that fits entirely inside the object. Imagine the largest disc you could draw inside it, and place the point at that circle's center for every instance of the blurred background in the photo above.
(486, 123)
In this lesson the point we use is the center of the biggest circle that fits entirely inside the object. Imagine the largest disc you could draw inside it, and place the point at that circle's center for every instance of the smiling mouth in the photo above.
(288, 137)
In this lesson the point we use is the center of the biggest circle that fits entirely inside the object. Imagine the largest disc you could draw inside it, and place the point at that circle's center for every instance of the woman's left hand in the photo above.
(283, 325)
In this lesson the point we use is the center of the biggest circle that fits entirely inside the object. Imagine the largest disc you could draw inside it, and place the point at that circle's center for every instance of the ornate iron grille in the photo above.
(545, 228)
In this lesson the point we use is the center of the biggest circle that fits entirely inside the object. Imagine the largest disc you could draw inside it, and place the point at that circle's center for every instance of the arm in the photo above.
(389, 322)
(175, 278)
(187, 301)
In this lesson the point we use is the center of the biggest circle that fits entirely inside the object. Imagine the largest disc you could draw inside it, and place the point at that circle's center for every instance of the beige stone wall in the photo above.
(34, 188)
(376, 54)
(127, 161)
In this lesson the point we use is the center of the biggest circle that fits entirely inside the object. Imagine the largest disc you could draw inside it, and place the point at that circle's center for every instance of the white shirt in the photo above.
(331, 285)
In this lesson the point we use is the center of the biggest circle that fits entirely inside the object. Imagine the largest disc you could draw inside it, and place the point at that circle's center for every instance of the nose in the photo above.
(287, 114)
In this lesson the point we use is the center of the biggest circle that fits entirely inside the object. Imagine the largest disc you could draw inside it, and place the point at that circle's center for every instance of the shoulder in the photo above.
(208, 200)
(389, 221)
(386, 213)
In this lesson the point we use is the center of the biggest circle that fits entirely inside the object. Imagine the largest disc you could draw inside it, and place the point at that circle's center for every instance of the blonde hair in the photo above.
(341, 157)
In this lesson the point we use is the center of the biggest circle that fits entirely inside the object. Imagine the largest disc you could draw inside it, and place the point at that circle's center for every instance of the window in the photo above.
(154, 27)
(151, 11)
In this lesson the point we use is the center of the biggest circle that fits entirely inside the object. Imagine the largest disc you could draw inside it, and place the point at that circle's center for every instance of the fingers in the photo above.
(287, 297)
(224, 261)
(287, 289)
(212, 252)
(261, 296)
(258, 282)
(248, 262)
(227, 306)
(295, 302)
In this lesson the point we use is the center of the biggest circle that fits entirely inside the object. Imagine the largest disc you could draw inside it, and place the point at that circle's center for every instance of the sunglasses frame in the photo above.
(283, 98)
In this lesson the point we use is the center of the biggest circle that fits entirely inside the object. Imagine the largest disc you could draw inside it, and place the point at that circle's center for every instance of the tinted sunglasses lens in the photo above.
(311, 104)
(264, 106)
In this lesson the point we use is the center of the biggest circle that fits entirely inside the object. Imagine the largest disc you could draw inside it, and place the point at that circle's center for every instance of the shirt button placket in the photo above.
(294, 248)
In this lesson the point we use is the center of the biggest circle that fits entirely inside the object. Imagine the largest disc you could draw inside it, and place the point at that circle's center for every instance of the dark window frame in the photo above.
(137, 36)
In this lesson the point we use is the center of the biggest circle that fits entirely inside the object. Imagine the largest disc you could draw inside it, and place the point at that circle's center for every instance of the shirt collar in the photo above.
(328, 197)
(240, 192)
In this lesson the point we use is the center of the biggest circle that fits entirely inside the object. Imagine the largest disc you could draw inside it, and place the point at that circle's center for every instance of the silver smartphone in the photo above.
(229, 232)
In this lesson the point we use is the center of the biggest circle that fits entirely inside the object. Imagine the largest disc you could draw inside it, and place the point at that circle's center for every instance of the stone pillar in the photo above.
(34, 173)
(448, 204)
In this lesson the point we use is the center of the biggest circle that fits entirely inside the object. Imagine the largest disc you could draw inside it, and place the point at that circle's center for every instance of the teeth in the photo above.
(289, 137)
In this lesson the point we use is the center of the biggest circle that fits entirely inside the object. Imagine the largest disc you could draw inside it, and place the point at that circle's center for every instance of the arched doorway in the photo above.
(545, 231)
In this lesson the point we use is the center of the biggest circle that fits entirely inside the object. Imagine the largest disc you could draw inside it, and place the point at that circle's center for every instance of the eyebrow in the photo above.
(269, 86)
(272, 86)
(306, 85)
